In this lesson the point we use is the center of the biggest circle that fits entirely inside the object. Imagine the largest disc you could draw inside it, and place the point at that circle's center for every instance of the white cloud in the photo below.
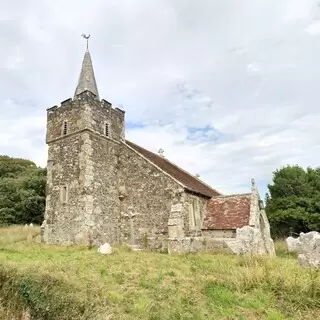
(245, 73)
(314, 28)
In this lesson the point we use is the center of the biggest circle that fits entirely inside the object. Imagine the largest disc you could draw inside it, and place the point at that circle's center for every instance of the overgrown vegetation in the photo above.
(293, 205)
(22, 191)
(55, 282)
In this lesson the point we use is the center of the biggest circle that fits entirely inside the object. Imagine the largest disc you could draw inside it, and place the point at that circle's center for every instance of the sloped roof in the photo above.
(227, 212)
(190, 182)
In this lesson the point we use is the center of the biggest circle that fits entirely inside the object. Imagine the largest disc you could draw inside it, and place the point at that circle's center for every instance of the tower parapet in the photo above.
(85, 113)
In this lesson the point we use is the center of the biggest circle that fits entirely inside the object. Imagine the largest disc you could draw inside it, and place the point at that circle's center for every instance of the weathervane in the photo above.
(87, 38)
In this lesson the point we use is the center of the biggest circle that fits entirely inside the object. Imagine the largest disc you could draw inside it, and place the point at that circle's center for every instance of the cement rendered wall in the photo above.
(219, 233)
(194, 207)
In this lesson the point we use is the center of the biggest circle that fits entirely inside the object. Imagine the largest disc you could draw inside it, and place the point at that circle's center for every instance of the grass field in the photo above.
(78, 283)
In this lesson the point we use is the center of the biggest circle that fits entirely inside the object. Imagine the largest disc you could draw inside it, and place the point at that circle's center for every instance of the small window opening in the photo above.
(194, 215)
(64, 194)
(106, 129)
(65, 127)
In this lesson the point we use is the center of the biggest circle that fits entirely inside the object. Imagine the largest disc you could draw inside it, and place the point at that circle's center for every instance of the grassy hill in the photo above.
(53, 282)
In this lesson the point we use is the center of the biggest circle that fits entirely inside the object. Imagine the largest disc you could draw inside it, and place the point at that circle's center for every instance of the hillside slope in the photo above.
(54, 282)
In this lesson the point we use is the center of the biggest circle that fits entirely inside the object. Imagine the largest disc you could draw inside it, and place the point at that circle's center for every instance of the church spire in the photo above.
(87, 79)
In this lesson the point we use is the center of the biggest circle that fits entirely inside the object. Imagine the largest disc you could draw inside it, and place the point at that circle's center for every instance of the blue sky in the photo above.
(228, 89)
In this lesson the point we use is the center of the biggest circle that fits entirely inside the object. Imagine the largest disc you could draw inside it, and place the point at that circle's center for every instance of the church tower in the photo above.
(84, 135)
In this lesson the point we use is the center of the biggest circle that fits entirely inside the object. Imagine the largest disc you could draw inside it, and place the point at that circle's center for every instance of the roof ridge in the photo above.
(207, 185)
(233, 195)
(179, 168)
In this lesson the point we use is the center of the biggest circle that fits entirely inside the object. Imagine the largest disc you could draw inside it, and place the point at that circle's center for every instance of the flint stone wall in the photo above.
(147, 194)
(113, 193)
(63, 170)
(84, 161)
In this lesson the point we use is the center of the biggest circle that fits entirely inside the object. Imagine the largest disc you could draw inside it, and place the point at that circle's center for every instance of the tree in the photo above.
(12, 167)
(22, 191)
(293, 202)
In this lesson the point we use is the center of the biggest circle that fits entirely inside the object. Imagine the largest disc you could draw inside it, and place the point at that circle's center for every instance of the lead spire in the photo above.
(87, 80)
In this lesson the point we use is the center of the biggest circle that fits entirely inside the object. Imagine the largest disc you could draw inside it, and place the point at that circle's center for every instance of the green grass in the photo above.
(282, 251)
(17, 234)
(55, 282)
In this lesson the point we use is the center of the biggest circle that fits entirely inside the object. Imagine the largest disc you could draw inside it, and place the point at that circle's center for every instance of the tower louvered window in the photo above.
(65, 128)
(106, 129)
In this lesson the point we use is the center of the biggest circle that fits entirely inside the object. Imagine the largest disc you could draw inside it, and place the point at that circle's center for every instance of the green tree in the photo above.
(12, 167)
(22, 191)
(293, 202)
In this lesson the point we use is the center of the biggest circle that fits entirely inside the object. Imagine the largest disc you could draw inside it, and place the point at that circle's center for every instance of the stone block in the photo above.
(293, 244)
(105, 249)
(309, 249)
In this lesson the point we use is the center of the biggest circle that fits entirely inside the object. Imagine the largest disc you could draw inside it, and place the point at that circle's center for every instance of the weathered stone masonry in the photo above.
(103, 188)
(114, 194)
(83, 161)
(147, 197)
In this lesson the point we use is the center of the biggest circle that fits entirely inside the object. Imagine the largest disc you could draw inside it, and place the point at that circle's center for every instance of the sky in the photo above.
(228, 89)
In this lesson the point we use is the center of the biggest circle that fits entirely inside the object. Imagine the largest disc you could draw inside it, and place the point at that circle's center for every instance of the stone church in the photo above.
(103, 188)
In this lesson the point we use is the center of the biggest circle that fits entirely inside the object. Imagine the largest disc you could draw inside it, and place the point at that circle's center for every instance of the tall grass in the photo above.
(55, 282)
(15, 234)
(282, 250)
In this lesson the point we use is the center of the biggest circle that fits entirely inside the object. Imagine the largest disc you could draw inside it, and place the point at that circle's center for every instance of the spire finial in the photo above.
(87, 38)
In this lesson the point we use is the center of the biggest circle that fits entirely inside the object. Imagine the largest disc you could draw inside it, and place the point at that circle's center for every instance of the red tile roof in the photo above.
(227, 212)
(190, 182)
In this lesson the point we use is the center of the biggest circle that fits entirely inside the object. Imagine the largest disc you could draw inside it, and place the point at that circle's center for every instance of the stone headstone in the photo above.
(308, 241)
(105, 249)
(250, 240)
(293, 244)
(309, 250)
